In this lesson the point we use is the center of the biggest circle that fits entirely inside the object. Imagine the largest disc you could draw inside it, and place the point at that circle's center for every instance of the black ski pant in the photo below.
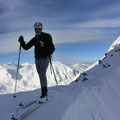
(41, 66)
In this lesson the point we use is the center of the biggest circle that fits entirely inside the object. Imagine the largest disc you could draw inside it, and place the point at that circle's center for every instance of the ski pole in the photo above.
(54, 73)
(17, 71)
(52, 69)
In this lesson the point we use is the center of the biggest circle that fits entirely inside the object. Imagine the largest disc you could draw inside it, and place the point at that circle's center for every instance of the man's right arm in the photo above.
(25, 45)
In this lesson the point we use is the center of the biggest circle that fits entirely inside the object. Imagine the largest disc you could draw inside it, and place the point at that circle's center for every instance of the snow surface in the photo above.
(97, 98)
(115, 44)
(28, 78)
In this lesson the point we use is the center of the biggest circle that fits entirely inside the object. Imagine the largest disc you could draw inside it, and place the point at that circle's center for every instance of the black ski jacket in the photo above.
(43, 45)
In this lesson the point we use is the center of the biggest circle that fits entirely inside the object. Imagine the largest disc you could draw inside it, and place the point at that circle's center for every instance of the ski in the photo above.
(27, 104)
(29, 111)
(24, 105)
(30, 107)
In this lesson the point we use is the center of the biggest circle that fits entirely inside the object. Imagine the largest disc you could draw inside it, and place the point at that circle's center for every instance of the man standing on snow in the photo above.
(44, 47)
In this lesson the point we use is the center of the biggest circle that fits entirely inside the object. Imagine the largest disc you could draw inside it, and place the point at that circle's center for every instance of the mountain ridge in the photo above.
(28, 78)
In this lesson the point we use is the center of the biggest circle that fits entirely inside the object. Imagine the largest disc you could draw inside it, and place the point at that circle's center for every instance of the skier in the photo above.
(44, 47)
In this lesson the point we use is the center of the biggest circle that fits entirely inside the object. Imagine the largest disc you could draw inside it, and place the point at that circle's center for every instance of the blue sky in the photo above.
(81, 30)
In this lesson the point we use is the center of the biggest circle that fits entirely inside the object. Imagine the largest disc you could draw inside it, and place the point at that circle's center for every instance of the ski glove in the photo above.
(21, 39)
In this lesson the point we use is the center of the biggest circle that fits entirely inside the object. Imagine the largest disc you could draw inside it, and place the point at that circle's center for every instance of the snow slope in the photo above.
(97, 98)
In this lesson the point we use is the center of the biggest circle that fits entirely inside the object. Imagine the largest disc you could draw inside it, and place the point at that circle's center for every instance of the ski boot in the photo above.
(43, 97)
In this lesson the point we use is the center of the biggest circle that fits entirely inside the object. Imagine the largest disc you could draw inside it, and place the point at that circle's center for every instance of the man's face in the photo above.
(38, 30)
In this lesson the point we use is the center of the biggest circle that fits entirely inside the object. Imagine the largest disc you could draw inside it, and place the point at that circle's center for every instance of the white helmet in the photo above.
(38, 25)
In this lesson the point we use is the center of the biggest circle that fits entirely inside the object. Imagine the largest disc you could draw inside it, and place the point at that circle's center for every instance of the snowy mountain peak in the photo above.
(114, 44)
(28, 78)
(9, 65)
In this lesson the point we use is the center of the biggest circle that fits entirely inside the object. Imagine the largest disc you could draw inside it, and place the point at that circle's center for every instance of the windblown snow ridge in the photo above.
(99, 94)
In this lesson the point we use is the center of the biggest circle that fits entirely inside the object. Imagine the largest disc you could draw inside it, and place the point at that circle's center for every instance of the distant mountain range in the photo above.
(28, 78)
